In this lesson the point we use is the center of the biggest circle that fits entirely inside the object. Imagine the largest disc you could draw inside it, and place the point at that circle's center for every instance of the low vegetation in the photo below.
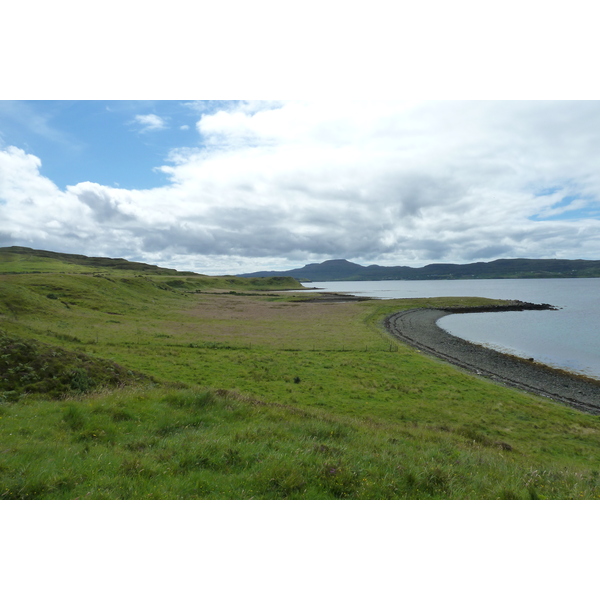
(118, 384)
(29, 367)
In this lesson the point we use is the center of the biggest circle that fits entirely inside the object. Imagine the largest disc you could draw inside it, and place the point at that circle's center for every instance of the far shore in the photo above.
(418, 328)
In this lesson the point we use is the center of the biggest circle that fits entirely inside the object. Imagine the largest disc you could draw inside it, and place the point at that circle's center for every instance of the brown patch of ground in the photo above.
(293, 325)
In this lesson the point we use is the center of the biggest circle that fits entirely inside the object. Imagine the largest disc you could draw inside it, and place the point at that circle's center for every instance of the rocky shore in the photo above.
(336, 297)
(419, 329)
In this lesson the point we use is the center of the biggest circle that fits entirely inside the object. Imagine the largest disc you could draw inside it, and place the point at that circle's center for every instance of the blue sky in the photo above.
(114, 143)
(238, 186)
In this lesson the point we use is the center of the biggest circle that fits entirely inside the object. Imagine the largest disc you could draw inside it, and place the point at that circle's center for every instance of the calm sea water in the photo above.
(568, 338)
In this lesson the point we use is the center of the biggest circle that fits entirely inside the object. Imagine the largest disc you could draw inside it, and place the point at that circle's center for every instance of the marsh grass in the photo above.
(263, 395)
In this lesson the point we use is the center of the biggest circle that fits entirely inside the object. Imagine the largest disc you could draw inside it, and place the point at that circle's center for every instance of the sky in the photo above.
(239, 186)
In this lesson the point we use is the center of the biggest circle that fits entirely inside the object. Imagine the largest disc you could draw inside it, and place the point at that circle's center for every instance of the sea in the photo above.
(568, 338)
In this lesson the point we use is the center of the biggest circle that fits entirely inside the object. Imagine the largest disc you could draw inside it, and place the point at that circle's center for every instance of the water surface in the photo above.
(567, 338)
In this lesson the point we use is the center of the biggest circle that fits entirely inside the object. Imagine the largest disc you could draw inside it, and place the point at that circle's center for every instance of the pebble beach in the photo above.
(419, 329)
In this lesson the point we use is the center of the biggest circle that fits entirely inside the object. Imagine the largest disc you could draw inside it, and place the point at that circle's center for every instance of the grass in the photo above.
(191, 443)
(161, 389)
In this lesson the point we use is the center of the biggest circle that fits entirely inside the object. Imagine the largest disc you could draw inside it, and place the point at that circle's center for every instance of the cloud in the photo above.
(30, 201)
(278, 184)
(150, 122)
(105, 203)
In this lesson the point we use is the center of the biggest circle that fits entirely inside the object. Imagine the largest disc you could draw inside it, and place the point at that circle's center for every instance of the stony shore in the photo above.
(419, 329)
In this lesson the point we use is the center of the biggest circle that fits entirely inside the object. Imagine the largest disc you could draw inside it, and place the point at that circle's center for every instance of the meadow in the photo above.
(125, 384)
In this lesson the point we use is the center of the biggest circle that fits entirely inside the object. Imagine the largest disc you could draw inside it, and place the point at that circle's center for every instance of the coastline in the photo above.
(418, 328)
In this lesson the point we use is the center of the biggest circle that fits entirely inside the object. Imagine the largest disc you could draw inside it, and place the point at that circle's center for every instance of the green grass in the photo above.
(256, 394)
(193, 443)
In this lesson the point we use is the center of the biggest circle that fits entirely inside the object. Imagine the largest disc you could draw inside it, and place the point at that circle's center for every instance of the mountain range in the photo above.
(513, 268)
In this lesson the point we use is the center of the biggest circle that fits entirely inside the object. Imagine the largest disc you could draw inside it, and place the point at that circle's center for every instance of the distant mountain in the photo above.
(514, 268)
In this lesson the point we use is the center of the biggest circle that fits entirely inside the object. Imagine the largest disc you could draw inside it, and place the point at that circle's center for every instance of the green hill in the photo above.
(17, 259)
(20, 261)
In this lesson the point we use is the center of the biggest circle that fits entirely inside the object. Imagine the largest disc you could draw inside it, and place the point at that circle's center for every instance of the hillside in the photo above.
(115, 383)
(18, 260)
(516, 268)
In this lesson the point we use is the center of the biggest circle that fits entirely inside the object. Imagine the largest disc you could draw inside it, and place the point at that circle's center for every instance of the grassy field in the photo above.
(121, 384)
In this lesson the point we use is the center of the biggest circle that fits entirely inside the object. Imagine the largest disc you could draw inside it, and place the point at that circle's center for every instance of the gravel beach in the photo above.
(419, 329)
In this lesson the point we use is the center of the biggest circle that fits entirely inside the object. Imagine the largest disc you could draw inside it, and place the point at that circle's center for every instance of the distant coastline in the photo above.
(513, 268)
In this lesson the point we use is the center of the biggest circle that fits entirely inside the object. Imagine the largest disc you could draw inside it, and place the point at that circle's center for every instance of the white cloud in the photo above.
(150, 122)
(276, 185)
(29, 202)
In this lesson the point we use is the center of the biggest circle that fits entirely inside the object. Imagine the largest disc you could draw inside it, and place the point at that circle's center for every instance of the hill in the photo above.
(515, 268)
(18, 259)
(116, 383)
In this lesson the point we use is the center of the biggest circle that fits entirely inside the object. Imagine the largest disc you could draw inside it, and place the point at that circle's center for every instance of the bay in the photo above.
(566, 339)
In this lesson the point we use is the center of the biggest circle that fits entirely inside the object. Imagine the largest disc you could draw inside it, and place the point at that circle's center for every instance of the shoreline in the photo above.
(336, 297)
(418, 328)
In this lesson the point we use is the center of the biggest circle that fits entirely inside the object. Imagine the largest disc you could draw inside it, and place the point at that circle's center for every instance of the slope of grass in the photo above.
(193, 443)
(321, 402)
